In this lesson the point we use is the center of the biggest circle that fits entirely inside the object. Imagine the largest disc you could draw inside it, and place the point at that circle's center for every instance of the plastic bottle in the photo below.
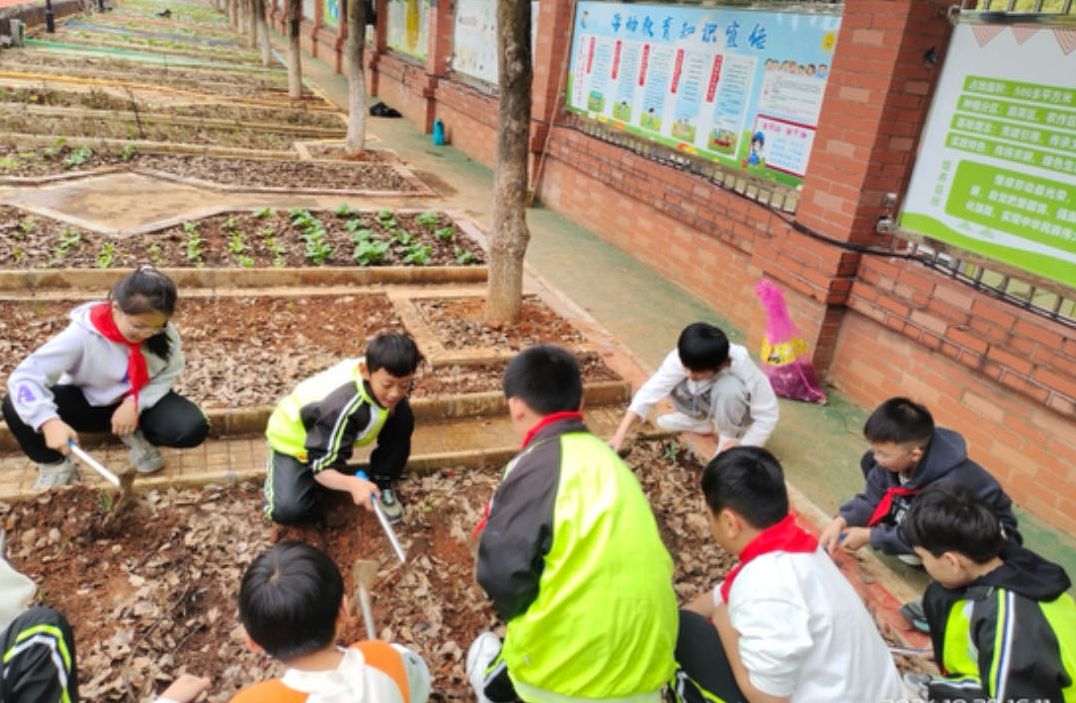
(438, 132)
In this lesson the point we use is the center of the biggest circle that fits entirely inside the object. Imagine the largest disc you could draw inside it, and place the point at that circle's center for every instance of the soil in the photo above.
(250, 352)
(152, 593)
(115, 99)
(339, 153)
(458, 324)
(242, 240)
(251, 173)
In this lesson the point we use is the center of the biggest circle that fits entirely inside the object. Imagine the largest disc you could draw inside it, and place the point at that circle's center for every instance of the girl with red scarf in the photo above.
(111, 370)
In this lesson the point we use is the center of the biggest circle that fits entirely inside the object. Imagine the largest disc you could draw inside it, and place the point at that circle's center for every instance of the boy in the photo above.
(1002, 624)
(311, 432)
(291, 601)
(907, 454)
(714, 387)
(787, 626)
(570, 554)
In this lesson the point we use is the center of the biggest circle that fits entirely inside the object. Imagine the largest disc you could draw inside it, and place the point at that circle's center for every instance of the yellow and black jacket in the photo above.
(573, 561)
(1007, 636)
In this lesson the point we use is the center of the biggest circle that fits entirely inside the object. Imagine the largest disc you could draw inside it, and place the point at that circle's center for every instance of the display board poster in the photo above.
(996, 170)
(331, 13)
(407, 27)
(743, 87)
(308, 9)
(474, 41)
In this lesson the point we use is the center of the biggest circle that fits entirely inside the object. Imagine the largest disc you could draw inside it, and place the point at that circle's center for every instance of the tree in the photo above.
(263, 31)
(356, 77)
(295, 69)
(252, 22)
(508, 244)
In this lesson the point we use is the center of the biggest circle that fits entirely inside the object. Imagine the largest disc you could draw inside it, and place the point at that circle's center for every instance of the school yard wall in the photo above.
(878, 326)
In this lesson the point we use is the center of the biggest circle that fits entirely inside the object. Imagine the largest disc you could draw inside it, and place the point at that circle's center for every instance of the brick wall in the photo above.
(470, 117)
(404, 84)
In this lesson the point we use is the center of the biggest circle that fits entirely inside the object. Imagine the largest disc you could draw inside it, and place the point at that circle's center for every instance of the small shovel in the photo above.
(364, 571)
(124, 482)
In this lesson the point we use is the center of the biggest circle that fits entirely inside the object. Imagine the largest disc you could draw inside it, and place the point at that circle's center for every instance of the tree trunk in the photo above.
(233, 14)
(508, 245)
(295, 69)
(252, 23)
(356, 77)
(263, 32)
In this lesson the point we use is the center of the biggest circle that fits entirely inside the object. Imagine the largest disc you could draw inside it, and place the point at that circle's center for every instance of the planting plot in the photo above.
(118, 100)
(245, 173)
(16, 119)
(250, 352)
(458, 325)
(154, 593)
(266, 238)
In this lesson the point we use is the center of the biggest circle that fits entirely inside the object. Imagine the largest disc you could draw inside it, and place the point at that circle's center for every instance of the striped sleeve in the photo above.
(331, 426)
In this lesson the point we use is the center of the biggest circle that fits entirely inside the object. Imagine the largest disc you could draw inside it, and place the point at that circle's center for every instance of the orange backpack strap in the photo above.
(272, 691)
(382, 655)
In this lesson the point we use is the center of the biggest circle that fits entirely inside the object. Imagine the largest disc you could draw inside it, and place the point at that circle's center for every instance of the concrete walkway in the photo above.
(819, 446)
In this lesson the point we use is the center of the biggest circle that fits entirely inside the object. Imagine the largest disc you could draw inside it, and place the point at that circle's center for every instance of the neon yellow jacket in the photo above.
(573, 561)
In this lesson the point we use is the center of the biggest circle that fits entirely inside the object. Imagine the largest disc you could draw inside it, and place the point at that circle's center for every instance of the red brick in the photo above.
(1039, 333)
(1017, 363)
(1025, 386)
(1064, 385)
(967, 340)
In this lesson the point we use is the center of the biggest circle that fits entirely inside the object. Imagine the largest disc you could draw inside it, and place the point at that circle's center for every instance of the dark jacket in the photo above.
(1008, 635)
(944, 461)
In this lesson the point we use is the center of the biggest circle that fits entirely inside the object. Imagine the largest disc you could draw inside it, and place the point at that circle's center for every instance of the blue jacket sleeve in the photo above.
(859, 509)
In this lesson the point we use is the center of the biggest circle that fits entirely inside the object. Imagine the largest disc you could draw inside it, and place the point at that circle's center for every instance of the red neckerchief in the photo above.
(882, 509)
(785, 536)
(137, 372)
(541, 424)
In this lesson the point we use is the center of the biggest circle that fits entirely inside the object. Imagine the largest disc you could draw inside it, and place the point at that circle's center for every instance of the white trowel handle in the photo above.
(93, 463)
(367, 612)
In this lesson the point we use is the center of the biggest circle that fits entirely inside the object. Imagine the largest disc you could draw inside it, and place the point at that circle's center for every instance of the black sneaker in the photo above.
(390, 502)
(913, 613)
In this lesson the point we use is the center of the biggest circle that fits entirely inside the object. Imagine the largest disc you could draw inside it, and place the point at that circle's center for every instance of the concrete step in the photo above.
(463, 441)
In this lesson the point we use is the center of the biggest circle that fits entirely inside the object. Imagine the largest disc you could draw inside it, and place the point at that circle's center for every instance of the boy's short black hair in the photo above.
(749, 481)
(546, 378)
(953, 518)
(396, 353)
(289, 599)
(899, 420)
(702, 347)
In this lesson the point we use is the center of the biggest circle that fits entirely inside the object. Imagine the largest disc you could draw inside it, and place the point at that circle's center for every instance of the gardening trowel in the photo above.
(124, 482)
(364, 571)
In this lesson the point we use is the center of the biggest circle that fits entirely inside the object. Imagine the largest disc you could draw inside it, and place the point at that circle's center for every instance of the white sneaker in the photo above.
(483, 651)
(146, 458)
(911, 559)
(59, 474)
(679, 422)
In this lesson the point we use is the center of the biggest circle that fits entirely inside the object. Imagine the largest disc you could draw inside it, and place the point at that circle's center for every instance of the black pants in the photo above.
(290, 488)
(39, 659)
(702, 663)
(173, 421)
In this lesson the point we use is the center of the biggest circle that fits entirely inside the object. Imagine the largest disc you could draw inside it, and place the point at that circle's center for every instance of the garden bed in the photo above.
(153, 593)
(117, 100)
(458, 324)
(17, 119)
(248, 352)
(266, 238)
(20, 161)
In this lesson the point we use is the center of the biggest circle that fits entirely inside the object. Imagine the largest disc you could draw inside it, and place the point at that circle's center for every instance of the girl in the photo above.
(111, 370)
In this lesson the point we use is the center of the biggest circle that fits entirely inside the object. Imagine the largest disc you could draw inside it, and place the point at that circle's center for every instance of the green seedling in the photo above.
(418, 254)
(246, 262)
(445, 234)
(155, 257)
(363, 235)
(384, 215)
(355, 224)
(671, 450)
(236, 244)
(78, 156)
(344, 210)
(17, 254)
(69, 239)
(55, 149)
(402, 236)
(428, 219)
(27, 225)
(194, 243)
(107, 256)
(264, 212)
(128, 152)
(369, 252)
(318, 250)
(10, 162)
(463, 256)
(279, 261)
(231, 223)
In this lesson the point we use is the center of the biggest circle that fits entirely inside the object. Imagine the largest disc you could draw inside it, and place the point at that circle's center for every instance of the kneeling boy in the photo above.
(571, 556)
(715, 388)
(1001, 621)
(312, 431)
(786, 624)
(290, 603)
